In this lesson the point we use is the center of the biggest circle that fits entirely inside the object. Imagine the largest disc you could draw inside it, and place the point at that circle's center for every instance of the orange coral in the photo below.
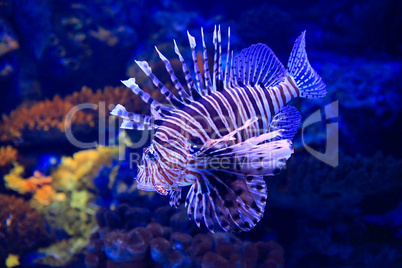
(46, 119)
(82, 167)
(7, 155)
(46, 195)
(29, 185)
(38, 185)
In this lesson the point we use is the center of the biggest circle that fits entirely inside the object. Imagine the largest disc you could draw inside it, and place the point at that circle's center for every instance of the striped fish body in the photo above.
(224, 111)
(216, 115)
(223, 133)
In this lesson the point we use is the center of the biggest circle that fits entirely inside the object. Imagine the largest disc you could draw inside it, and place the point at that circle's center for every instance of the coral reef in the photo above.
(42, 118)
(45, 121)
(66, 199)
(8, 157)
(38, 185)
(77, 172)
(126, 240)
(22, 228)
(72, 218)
(12, 260)
(115, 182)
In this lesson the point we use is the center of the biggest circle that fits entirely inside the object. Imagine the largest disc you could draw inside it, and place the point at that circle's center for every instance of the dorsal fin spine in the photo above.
(215, 58)
(186, 71)
(247, 63)
(198, 77)
(241, 68)
(132, 120)
(227, 71)
(183, 94)
(231, 79)
(207, 74)
(170, 97)
(159, 108)
(220, 72)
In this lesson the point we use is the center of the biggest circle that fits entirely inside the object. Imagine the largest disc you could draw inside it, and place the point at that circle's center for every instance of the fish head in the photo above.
(148, 178)
(154, 173)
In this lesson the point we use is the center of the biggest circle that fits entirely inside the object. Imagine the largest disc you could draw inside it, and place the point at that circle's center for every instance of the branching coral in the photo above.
(66, 199)
(44, 117)
(22, 229)
(78, 171)
(38, 185)
(23, 186)
(73, 217)
(46, 120)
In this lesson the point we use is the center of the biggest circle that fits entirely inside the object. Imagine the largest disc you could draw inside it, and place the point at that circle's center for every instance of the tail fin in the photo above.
(307, 80)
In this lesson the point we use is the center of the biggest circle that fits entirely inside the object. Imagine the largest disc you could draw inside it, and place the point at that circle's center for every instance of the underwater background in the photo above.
(66, 206)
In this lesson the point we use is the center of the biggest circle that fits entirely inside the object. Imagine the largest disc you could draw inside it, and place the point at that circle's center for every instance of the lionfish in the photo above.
(222, 134)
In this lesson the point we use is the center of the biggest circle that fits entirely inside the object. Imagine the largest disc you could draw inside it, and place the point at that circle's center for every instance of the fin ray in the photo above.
(120, 111)
(157, 107)
(226, 198)
(174, 197)
(170, 97)
(307, 79)
(258, 57)
(181, 91)
(186, 71)
(198, 77)
(207, 74)
(227, 67)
